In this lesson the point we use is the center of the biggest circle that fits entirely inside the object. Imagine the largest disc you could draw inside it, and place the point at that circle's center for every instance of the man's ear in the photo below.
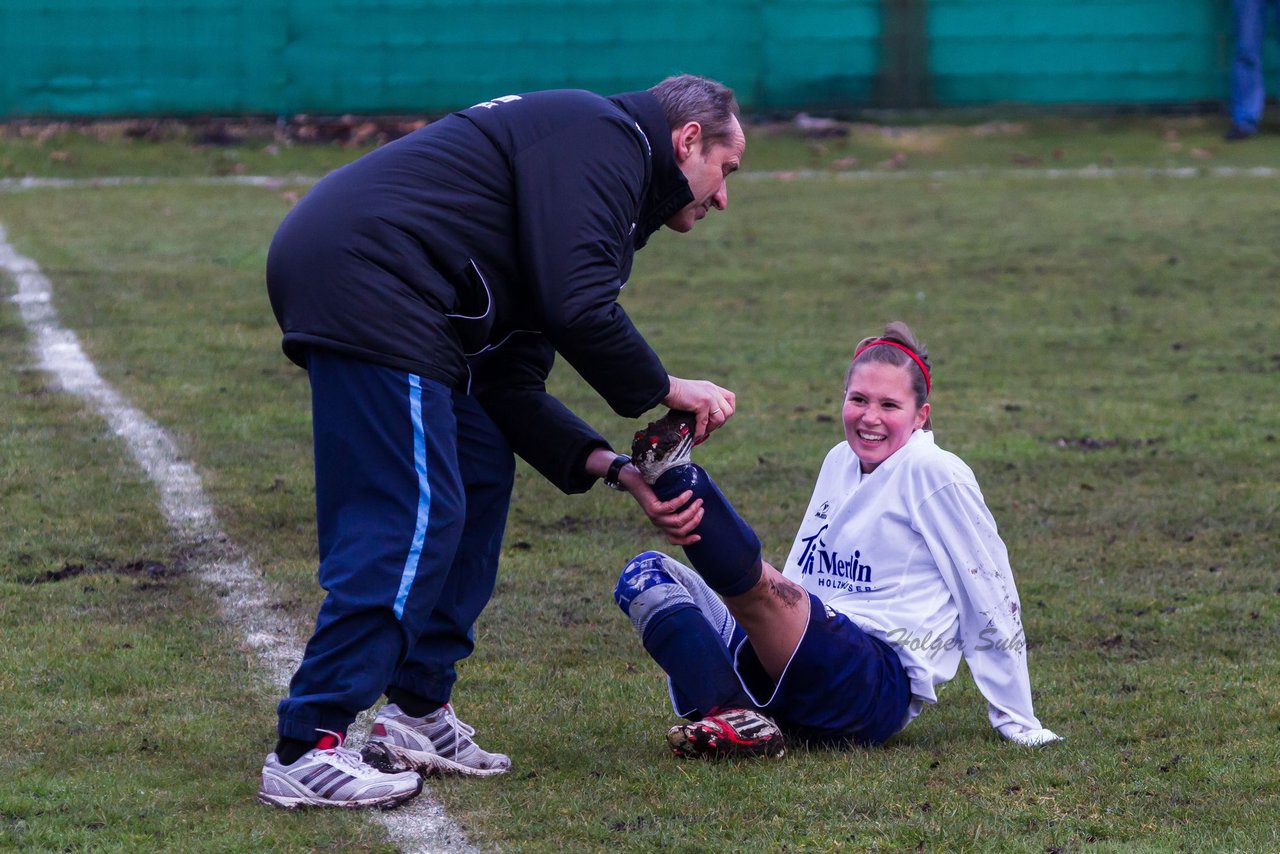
(686, 140)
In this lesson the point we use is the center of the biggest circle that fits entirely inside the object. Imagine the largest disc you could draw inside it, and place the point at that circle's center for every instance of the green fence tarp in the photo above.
(1109, 51)
(281, 57)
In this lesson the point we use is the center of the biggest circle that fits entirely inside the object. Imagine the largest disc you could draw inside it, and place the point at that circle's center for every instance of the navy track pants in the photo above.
(413, 482)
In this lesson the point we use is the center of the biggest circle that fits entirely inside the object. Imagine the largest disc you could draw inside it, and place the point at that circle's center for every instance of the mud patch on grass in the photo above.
(220, 132)
(149, 570)
(574, 524)
(1091, 443)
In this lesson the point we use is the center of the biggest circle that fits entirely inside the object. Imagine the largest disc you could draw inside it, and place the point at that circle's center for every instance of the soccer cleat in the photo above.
(731, 734)
(333, 777)
(437, 744)
(663, 444)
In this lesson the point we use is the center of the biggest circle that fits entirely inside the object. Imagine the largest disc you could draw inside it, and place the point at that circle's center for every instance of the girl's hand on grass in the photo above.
(1028, 737)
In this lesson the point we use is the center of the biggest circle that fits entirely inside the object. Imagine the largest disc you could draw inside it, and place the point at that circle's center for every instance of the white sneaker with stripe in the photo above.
(436, 744)
(333, 777)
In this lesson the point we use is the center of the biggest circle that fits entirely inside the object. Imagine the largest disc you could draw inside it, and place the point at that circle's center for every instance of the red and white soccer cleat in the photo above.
(731, 734)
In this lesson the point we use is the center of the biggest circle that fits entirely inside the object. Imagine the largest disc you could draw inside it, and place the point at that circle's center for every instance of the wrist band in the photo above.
(611, 476)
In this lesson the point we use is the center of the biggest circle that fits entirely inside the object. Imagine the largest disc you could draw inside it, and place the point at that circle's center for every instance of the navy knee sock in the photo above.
(684, 645)
(728, 555)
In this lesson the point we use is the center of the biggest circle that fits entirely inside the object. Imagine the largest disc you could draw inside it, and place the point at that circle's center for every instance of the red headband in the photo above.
(924, 370)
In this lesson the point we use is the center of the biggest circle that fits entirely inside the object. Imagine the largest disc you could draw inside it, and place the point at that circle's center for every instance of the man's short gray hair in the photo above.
(688, 98)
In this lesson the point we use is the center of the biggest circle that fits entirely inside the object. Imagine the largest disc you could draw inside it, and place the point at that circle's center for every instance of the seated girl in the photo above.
(896, 572)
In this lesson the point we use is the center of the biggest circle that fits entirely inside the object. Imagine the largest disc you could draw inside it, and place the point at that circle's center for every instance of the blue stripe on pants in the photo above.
(487, 467)
(424, 495)
(384, 560)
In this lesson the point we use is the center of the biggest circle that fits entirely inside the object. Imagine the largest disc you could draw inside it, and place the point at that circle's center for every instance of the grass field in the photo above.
(1106, 359)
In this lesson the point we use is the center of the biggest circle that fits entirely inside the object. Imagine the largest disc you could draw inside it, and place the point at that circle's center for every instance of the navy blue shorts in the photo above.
(841, 686)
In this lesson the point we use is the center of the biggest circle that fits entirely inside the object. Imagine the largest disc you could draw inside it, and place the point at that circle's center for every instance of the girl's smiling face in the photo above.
(880, 412)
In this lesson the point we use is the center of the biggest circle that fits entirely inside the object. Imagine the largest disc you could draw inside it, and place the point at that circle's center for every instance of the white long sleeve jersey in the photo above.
(910, 553)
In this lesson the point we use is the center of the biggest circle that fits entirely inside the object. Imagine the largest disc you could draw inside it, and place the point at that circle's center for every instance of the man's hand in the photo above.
(678, 525)
(667, 516)
(710, 404)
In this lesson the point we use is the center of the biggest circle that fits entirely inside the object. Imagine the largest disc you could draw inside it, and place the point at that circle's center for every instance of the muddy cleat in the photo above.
(437, 744)
(333, 777)
(664, 444)
(732, 734)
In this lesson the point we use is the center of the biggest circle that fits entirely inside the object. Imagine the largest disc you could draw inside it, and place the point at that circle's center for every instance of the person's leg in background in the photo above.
(1248, 89)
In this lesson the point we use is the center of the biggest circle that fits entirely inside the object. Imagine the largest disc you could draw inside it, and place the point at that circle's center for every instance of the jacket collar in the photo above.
(668, 191)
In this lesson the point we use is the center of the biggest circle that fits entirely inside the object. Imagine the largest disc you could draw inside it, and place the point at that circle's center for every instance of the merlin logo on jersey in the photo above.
(821, 512)
(831, 569)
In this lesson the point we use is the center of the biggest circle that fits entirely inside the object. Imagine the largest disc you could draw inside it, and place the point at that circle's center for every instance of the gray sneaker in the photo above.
(335, 777)
(437, 744)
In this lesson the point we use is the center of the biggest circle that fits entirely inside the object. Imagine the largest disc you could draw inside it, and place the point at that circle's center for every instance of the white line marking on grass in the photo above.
(420, 826)
(1085, 172)
(272, 182)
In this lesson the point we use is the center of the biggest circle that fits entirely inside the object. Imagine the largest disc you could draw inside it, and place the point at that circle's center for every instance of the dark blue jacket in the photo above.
(474, 249)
